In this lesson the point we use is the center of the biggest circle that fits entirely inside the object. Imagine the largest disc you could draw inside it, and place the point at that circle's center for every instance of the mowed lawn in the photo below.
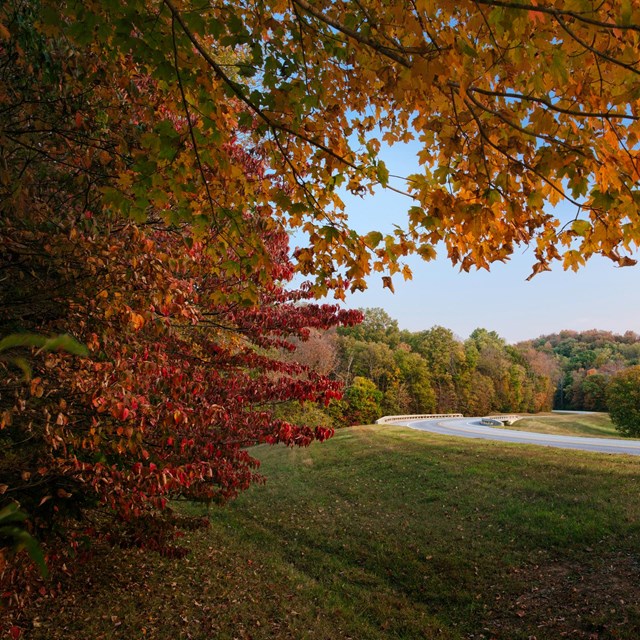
(591, 425)
(385, 532)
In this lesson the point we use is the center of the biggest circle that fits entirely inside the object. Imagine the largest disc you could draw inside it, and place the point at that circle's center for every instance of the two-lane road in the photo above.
(471, 428)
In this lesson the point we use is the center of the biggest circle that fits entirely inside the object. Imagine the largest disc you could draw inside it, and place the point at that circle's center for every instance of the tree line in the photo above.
(387, 370)
(391, 371)
(587, 361)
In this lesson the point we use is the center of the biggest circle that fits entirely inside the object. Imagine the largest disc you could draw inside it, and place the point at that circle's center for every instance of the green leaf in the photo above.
(10, 517)
(426, 252)
(215, 27)
(416, 214)
(11, 514)
(626, 11)
(382, 173)
(579, 186)
(441, 174)
(235, 25)
(559, 66)
(602, 200)
(330, 233)
(351, 21)
(493, 196)
(194, 21)
(21, 363)
(581, 227)
(24, 540)
(21, 340)
(245, 119)
(534, 199)
(82, 30)
(164, 71)
(66, 343)
(257, 55)
(467, 49)
(114, 197)
(373, 239)
(62, 342)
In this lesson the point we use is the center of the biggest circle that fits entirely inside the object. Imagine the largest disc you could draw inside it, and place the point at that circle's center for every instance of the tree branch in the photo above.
(559, 12)
(546, 102)
(380, 48)
(240, 94)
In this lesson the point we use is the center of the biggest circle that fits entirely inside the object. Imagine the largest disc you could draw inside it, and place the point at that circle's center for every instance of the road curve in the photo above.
(471, 428)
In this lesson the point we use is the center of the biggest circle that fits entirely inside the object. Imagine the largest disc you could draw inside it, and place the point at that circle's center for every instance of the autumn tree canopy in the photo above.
(513, 106)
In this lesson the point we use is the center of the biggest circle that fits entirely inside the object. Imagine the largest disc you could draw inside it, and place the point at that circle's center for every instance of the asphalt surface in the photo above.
(471, 428)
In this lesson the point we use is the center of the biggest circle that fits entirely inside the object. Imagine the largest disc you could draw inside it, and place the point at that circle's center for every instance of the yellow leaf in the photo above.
(137, 321)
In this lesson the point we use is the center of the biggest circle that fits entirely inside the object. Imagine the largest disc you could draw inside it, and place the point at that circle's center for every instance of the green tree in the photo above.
(377, 326)
(446, 360)
(481, 395)
(363, 400)
(494, 363)
(414, 373)
(594, 392)
(372, 360)
(623, 400)
(396, 400)
(577, 360)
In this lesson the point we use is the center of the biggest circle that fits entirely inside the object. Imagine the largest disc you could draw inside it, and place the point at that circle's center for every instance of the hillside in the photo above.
(587, 360)
(386, 533)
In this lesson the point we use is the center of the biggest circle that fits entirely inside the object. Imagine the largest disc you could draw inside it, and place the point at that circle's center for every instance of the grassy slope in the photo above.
(384, 532)
(597, 425)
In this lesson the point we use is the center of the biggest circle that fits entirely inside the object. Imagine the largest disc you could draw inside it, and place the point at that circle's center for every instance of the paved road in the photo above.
(471, 428)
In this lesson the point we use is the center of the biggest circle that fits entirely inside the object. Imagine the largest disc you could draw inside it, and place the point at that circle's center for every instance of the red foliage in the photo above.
(184, 383)
(180, 382)
(185, 322)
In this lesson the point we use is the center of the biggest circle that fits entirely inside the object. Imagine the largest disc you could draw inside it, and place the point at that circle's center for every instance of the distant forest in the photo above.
(391, 371)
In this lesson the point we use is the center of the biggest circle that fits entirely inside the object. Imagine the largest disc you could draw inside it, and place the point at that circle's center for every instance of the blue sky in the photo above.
(598, 296)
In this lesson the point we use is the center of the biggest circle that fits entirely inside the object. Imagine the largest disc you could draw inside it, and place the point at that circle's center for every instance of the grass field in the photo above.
(384, 532)
(596, 425)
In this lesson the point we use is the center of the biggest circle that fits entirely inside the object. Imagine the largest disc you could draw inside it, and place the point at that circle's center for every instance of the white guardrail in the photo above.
(491, 421)
(419, 416)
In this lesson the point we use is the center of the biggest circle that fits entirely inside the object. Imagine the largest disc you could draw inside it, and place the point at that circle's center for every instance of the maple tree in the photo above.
(512, 105)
